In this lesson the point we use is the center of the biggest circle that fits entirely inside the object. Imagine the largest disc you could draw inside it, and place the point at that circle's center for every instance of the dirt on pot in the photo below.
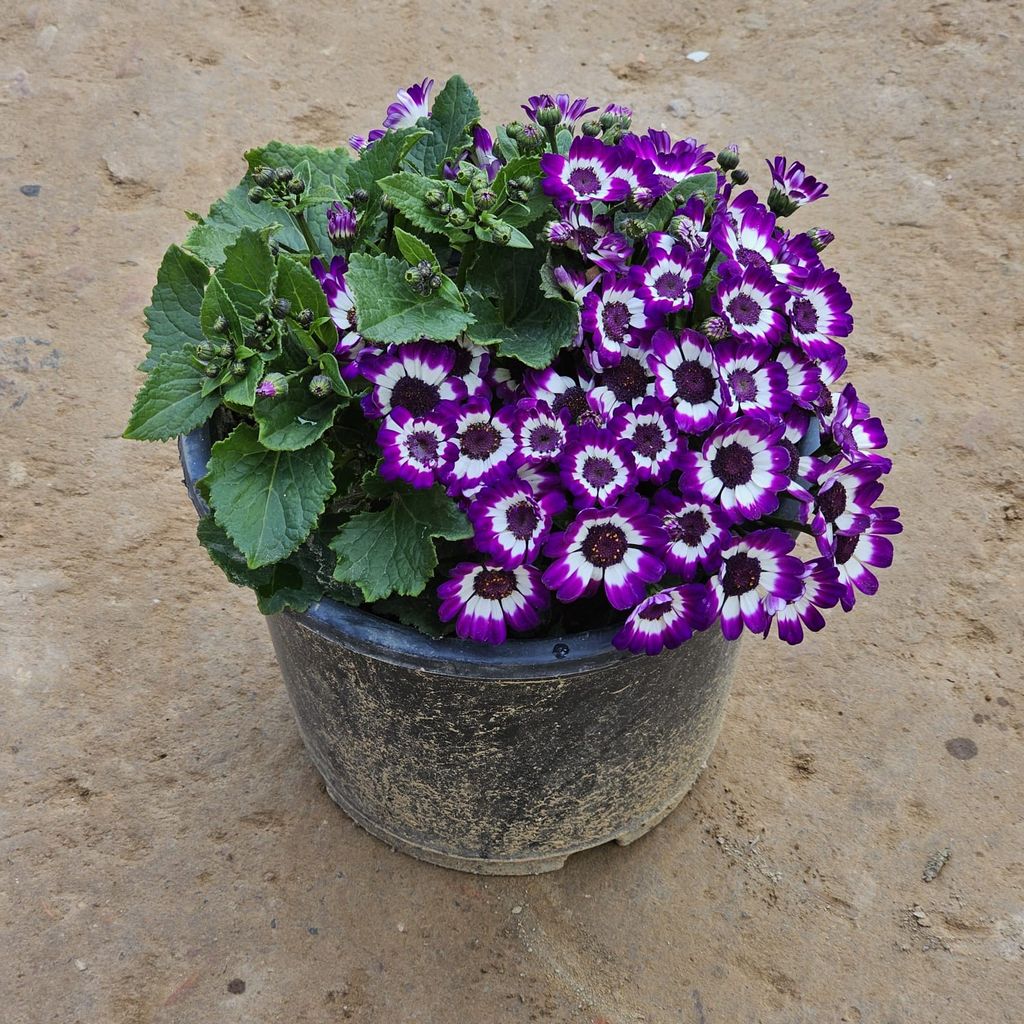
(168, 853)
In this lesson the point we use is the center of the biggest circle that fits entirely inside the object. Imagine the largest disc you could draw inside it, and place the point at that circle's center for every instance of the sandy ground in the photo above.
(167, 853)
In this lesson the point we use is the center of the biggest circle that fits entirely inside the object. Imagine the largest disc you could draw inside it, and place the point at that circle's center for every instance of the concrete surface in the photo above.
(169, 856)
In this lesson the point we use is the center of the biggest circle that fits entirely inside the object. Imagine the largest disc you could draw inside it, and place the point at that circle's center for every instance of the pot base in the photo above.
(513, 866)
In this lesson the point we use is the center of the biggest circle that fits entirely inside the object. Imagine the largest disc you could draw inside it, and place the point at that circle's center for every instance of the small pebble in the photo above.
(401, 927)
(30, 190)
(517, 909)
(81, 965)
(697, 56)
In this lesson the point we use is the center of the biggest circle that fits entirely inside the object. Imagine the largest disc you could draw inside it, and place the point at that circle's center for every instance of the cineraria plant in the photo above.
(557, 377)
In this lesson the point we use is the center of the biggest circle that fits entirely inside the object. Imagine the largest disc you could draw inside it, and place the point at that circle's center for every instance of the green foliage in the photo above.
(295, 420)
(173, 313)
(171, 401)
(267, 501)
(389, 311)
(391, 551)
(296, 283)
(455, 111)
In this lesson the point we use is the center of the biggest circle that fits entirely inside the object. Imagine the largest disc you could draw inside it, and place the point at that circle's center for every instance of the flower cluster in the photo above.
(663, 463)
(558, 375)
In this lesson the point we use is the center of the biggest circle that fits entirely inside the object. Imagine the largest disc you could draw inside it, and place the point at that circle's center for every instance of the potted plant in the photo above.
(486, 421)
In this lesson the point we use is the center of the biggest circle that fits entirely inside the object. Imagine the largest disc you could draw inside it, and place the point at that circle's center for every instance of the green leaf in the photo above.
(657, 218)
(534, 337)
(325, 164)
(173, 313)
(418, 612)
(564, 141)
(392, 551)
(248, 273)
(291, 584)
(507, 146)
(294, 420)
(217, 303)
(267, 501)
(415, 249)
(408, 192)
(297, 284)
(329, 366)
(455, 110)
(389, 311)
(171, 401)
(243, 391)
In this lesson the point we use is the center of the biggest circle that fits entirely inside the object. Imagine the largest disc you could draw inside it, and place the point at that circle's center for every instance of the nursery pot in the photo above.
(497, 760)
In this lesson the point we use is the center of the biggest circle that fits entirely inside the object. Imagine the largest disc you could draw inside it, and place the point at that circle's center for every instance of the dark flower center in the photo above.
(627, 380)
(742, 574)
(744, 310)
(733, 465)
(804, 316)
(649, 440)
(463, 361)
(574, 399)
(522, 519)
(695, 383)
(832, 503)
(615, 319)
(843, 436)
(494, 584)
(598, 471)
(604, 545)
(670, 286)
(689, 527)
(845, 546)
(657, 609)
(743, 385)
(587, 238)
(351, 317)
(416, 395)
(479, 441)
(545, 439)
(423, 446)
(584, 181)
(793, 469)
(750, 258)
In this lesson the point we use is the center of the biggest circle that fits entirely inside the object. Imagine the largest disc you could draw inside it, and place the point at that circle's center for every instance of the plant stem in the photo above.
(300, 220)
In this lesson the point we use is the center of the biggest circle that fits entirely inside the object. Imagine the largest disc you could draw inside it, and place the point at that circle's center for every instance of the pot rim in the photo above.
(516, 660)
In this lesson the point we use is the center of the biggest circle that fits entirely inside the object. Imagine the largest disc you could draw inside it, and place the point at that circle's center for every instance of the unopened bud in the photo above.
(320, 386)
(729, 158)
(820, 238)
(360, 197)
(205, 351)
(257, 194)
(305, 318)
(457, 217)
(297, 186)
(715, 328)
(780, 204)
(238, 368)
(281, 308)
(221, 325)
(434, 198)
(274, 385)
(213, 369)
(548, 117)
(636, 230)
(264, 176)
(591, 128)
(485, 198)
(502, 233)
(739, 176)
(283, 174)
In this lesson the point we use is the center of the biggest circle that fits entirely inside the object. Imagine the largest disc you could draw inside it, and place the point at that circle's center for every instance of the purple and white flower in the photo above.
(695, 530)
(341, 223)
(667, 281)
(821, 589)
(511, 522)
(417, 377)
(846, 494)
(750, 302)
(628, 381)
(557, 391)
(756, 577)
(742, 466)
(747, 238)
(686, 377)
(482, 446)
(818, 312)
(540, 434)
(569, 110)
(341, 307)
(483, 152)
(597, 467)
(414, 448)
(854, 553)
(592, 172)
(487, 601)
(615, 318)
(608, 547)
(471, 367)
(754, 384)
(793, 181)
(857, 433)
(665, 620)
(803, 377)
(412, 104)
(649, 432)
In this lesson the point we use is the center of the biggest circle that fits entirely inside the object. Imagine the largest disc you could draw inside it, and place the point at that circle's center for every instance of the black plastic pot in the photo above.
(498, 760)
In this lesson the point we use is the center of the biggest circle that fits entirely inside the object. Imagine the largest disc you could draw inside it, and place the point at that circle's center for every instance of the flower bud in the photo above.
(214, 369)
(238, 368)
(525, 183)
(387, 204)
(274, 385)
(465, 175)
(264, 176)
(514, 129)
(296, 186)
(262, 322)
(320, 386)
(257, 194)
(780, 204)
(305, 318)
(485, 198)
(444, 209)
(412, 276)
(591, 128)
(434, 198)
(558, 232)
(739, 176)
(434, 282)
(281, 308)
(502, 233)
(341, 223)
(820, 238)
(715, 328)
(729, 158)
(283, 174)
(224, 351)
(549, 116)
(607, 120)
(457, 217)
(613, 136)
(360, 197)
(676, 226)
(205, 351)
(221, 325)
(635, 230)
